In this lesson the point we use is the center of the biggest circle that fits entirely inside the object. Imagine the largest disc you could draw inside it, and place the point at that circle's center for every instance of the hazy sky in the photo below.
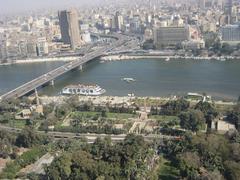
(12, 6)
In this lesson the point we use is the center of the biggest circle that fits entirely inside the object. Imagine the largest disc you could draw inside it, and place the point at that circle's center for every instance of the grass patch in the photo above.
(150, 102)
(17, 123)
(29, 157)
(164, 118)
(92, 115)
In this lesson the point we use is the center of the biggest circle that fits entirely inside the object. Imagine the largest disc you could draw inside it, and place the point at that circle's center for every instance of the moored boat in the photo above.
(83, 89)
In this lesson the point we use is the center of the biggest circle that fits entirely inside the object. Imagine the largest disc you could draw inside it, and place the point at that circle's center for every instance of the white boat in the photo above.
(167, 59)
(131, 95)
(83, 89)
(128, 79)
(222, 59)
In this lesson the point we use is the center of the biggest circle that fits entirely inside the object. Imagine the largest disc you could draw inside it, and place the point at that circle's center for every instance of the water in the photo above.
(15, 75)
(153, 77)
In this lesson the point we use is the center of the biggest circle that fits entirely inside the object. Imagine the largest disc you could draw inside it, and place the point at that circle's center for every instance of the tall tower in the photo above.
(68, 21)
(119, 21)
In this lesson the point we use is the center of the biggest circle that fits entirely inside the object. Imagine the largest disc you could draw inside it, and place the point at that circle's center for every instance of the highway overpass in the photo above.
(49, 77)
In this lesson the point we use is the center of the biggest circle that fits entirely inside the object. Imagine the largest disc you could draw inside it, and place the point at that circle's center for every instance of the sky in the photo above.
(15, 6)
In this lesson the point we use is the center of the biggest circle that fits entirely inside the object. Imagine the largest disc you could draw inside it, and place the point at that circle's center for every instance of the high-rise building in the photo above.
(68, 21)
(119, 21)
(135, 24)
(170, 36)
(31, 48)
(42, 46)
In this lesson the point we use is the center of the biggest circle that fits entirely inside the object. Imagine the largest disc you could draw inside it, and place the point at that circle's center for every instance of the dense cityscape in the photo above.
(105, 90)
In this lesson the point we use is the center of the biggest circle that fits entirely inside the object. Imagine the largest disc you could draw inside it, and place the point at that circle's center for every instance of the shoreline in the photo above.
(97, 100)
(40, 60)
(119, 57)
(164, 57)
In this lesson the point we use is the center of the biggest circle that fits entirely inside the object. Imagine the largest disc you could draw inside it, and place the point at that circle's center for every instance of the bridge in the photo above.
(54, 74)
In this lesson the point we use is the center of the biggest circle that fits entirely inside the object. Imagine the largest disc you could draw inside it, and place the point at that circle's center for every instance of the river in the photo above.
(154, 77)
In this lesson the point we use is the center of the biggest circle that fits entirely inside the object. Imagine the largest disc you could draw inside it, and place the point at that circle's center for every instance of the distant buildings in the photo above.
(68, 21)
(228, 11)
(230, 33)
(170, 36)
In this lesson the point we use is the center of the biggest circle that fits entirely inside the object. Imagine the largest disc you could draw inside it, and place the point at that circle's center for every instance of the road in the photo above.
(90, 137)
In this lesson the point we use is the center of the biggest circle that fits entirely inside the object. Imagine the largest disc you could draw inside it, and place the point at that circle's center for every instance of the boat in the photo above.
(131, 95)
(83, 89)
(222, 59)
(167, 59)
(128, 80)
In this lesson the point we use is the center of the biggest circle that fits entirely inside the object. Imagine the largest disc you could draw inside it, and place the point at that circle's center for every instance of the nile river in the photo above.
(154, 77)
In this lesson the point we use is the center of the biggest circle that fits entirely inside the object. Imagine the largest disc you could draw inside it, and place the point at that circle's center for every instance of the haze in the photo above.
(15, 6)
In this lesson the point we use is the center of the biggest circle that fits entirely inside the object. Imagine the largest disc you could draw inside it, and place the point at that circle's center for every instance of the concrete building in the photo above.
(118, 21)
(230, 33)
(228, 10)
(135, 24)
(170, 36)
(86, 37)
(31, 48)
(3, 50)
(193, 44)
(42, 46)
(68, 21)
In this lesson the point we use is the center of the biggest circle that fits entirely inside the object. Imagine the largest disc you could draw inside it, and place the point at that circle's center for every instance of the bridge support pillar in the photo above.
(80, 67)
(52, 82)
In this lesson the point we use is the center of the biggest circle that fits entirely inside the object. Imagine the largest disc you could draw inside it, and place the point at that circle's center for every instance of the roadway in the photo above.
(90, 137)
(52, 75)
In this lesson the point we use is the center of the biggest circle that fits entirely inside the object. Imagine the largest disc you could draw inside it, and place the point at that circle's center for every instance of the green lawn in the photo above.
(90, 115)
(149, 102)
(17, 123)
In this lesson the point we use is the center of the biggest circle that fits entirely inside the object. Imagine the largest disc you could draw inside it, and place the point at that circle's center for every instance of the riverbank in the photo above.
(40, 60)
(116, 100)
(164, 57)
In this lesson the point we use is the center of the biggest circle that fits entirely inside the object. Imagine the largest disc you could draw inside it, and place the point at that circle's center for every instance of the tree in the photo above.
(189, 163)
(192, 120)
(226, 49)
(175, 107)
(234, 116)
(232, 170)
(60, 167)
(209, 111)
(238, 46)
(28, 137)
